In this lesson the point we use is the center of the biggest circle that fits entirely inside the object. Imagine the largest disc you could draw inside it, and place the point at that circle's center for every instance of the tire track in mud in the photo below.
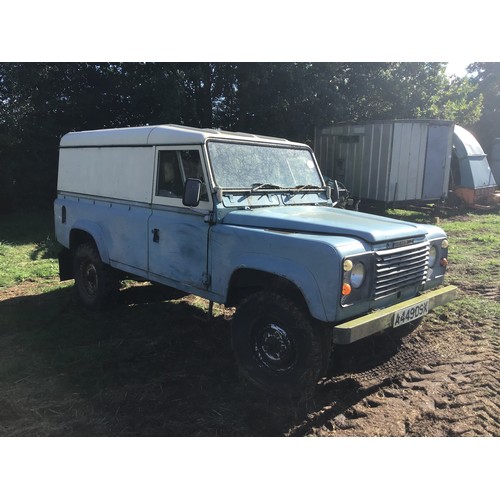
(469, 401)
(441, 380)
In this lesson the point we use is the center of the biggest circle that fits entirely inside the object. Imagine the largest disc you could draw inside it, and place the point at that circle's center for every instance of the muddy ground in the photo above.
(165, 372)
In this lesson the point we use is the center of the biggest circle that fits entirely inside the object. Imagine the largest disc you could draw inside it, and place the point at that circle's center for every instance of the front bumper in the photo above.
(356, 329)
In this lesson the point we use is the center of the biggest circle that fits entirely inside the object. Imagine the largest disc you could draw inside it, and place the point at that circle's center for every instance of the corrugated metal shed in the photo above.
(388, 161)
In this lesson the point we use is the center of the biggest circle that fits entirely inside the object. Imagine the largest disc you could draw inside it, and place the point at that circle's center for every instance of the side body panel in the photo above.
(119, 230)
(121, 173)
(311, 262)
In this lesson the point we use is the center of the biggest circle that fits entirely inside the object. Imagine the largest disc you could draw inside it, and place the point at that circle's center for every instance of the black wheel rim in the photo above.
(274, 347)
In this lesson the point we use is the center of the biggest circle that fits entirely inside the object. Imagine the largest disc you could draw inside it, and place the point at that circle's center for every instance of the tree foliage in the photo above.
(486, 77)
(39, 102)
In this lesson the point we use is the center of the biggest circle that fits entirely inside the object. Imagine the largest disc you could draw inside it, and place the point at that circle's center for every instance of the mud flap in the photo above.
(65, 265)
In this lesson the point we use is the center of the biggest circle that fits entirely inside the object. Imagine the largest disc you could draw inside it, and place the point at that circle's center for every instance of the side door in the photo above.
(178, 235)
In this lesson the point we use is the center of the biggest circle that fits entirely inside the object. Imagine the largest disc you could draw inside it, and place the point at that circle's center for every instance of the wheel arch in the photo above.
(89, 232)
(245, 281)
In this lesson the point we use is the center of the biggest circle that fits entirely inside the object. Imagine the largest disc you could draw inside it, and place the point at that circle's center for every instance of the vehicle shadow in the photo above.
(145, 367)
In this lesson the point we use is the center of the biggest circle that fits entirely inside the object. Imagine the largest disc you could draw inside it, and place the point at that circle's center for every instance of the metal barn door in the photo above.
(407, 162)
(437, 162)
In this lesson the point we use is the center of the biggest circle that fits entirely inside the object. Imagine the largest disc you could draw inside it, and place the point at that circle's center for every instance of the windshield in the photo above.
(256, 166)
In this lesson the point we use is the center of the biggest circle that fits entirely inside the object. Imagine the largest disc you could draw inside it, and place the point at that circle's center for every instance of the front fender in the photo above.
(294, 272)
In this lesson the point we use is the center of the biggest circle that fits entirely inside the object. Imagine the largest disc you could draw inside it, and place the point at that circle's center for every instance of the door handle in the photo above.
(156, 235)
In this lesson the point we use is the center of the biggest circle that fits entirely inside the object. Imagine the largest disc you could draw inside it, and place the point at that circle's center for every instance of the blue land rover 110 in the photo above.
(246, 221)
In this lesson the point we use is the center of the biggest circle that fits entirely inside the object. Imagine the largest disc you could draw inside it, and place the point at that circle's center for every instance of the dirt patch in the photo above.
(442, 380)
(157, 368)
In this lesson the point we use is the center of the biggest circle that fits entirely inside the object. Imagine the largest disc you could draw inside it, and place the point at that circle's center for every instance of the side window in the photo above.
(192, 168)
(170, 182)
(174, 167)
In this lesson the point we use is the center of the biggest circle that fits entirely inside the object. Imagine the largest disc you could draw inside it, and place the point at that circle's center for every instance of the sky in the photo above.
(216, 31)
(457, 68)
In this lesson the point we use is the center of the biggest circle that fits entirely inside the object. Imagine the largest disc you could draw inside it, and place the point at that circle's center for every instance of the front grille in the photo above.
(399, 268)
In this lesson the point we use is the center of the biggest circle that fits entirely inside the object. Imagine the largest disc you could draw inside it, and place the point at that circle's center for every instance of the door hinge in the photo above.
(210, 218)
(206, 279)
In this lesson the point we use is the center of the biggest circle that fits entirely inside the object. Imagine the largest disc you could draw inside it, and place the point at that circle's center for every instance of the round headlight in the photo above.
(444, 244)
(432, 255)
(357, 275)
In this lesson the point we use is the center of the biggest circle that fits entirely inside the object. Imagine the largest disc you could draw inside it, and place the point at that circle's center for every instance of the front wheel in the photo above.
(277, 345)
(406, 329)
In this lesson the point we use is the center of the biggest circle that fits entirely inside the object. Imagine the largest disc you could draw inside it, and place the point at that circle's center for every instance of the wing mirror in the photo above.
(192, 192)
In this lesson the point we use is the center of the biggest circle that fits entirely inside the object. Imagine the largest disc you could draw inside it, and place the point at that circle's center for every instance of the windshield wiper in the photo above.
(257, 186)
(306, 186)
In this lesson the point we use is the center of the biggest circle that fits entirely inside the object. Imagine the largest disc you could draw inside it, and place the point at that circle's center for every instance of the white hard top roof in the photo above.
(158, 135)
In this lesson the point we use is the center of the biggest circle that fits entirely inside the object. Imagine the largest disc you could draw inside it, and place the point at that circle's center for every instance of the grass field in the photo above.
(474, 256)
(28, 250)
(69, 371)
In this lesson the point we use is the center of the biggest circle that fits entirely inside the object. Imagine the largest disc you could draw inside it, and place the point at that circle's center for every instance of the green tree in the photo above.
(409, 91)
(287, 99)
(486, 75)
(39, 102)
(458, 101)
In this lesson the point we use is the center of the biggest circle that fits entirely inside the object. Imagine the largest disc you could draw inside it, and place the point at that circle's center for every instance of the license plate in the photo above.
(410, 313)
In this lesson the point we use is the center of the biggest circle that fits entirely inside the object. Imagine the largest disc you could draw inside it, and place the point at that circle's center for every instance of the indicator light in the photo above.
(347, 265)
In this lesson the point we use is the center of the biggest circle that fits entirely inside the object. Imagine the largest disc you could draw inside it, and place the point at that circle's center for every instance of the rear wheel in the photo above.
(277, 345)
(94, 280)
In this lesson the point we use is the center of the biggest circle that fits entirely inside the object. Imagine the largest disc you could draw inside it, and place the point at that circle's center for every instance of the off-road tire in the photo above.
(94, 281)
(406, 329)
(278, 346)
